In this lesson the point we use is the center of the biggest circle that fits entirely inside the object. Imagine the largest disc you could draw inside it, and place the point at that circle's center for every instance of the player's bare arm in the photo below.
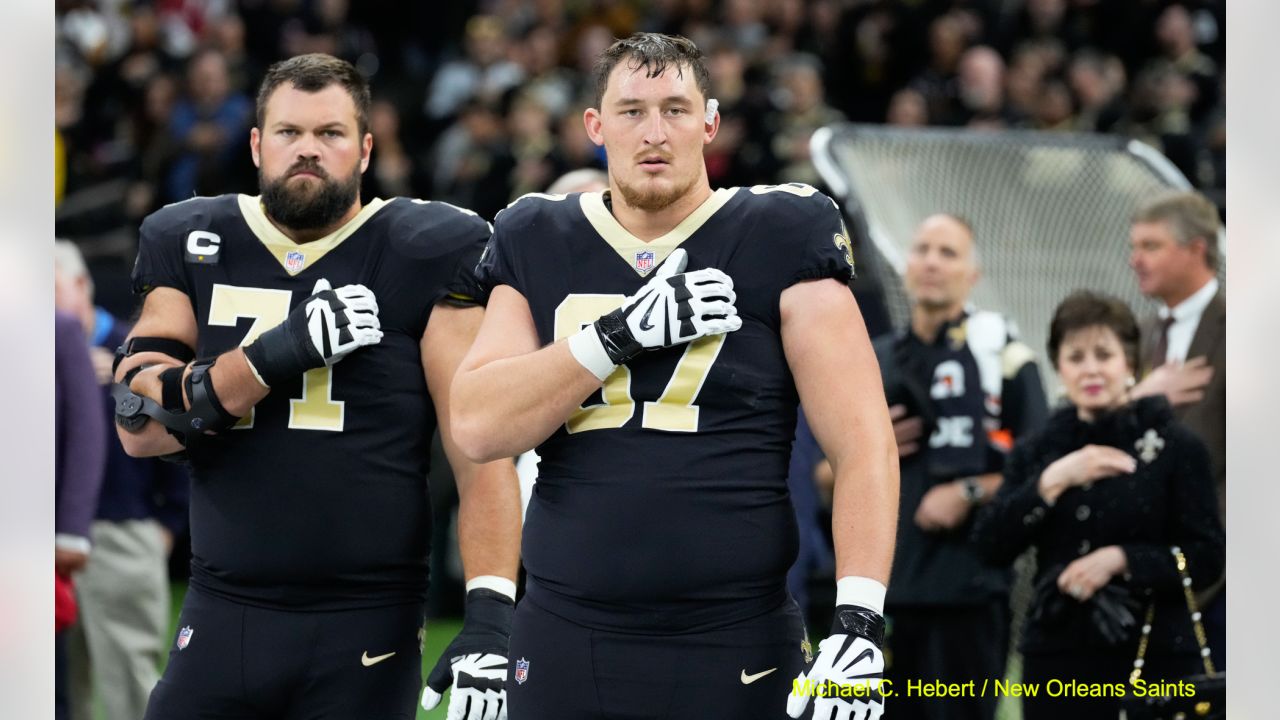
(475, 663)
(838, 380)
(489, 493)
(510, 393)
(166, 313)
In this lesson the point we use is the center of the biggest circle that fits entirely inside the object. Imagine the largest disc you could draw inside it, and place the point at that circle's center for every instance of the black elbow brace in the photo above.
(205, 415)
(175, 349)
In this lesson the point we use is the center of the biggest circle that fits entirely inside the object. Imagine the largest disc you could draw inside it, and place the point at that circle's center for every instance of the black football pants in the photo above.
(563, 671)
(243, 662)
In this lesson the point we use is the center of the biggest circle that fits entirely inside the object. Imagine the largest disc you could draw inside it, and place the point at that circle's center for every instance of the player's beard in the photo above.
(651, 198)
(302, 206)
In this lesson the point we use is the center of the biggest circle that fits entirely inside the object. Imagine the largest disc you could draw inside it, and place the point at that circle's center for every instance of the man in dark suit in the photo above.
(1175, 256)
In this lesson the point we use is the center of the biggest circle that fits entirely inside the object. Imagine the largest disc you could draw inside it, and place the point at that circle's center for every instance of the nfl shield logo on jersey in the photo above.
(522, 671)
(644, 260)
(294, 260)
(184, 637)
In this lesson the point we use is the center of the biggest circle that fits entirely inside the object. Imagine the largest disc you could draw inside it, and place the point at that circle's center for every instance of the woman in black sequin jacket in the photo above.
(1102, 493)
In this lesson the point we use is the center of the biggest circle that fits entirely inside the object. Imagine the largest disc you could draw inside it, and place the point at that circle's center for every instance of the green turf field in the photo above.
(439, 634)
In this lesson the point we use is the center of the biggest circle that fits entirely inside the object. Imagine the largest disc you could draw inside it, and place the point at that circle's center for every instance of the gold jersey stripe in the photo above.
(627, 245)
(280, 245)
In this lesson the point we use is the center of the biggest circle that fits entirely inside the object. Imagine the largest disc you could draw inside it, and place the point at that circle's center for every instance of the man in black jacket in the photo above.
(961, 388)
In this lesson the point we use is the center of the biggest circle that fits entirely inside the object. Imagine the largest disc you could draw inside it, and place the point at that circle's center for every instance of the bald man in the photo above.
(961, 388)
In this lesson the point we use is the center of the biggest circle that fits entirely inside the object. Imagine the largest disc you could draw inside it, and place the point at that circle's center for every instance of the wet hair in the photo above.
(1087, 309)
(1189, 215)
(652, 52)
(312, 73)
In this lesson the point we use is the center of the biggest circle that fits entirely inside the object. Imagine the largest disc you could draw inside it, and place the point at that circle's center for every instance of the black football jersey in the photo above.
(318, 497)
(662, 504)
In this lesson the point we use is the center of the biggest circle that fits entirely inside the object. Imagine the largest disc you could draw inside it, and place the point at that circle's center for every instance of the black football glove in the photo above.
(320, 331)
(475, 663)
(849, 656)
(673, 307)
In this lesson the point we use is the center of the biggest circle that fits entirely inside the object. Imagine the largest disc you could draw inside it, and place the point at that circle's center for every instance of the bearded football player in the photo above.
(296, 349)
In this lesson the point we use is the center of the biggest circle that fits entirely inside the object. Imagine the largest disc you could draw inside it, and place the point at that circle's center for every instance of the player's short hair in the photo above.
(1189, 215)
(652, 52)
(312, 73)
(1087, 309)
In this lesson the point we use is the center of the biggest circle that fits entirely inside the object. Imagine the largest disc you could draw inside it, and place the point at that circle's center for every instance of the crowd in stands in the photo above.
(479, 102)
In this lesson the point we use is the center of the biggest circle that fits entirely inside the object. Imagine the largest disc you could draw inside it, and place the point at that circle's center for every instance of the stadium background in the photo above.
(477, 103)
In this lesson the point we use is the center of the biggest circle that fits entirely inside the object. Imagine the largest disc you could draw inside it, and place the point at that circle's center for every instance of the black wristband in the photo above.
(489, 611)
(277, 357)
(619, 344)
(859, 621)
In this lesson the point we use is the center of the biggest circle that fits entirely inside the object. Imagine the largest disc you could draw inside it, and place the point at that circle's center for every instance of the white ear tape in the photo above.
(712, 105)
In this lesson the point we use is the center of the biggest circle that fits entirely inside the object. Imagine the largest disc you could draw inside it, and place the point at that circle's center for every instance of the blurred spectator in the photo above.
(1097, 81)
(392, 172)
(485, 72)
(741, 154)
(210, 125)
(1032, 63)
(981, 90)
(79, 444)
(1038, 20)
(552, 85)
(743, 25)
(123, 591)
(529, 126)
(1175, 257)
(79, 451)
(590, 41)
(228, 36)
(1055, 108)
(961, 388)
(1149, 70)
(1177, 40)
(68, 98)
(947, 42)
(872, 61)
(574, 148)
(801, 109)
(155, 146)
(908, 108)
(324, 29)
(1103, 494)
(1160, 114)
(473, 161)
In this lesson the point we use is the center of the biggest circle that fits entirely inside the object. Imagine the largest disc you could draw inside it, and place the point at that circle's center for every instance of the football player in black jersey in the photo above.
(326, 334)
(653, 341)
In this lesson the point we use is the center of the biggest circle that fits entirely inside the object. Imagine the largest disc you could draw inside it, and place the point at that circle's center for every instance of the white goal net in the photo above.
(1050, 211)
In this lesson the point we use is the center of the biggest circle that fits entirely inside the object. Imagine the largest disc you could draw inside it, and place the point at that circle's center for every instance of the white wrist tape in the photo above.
(495, 583)
(590, 354)
(712, 105)
(853, 590)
